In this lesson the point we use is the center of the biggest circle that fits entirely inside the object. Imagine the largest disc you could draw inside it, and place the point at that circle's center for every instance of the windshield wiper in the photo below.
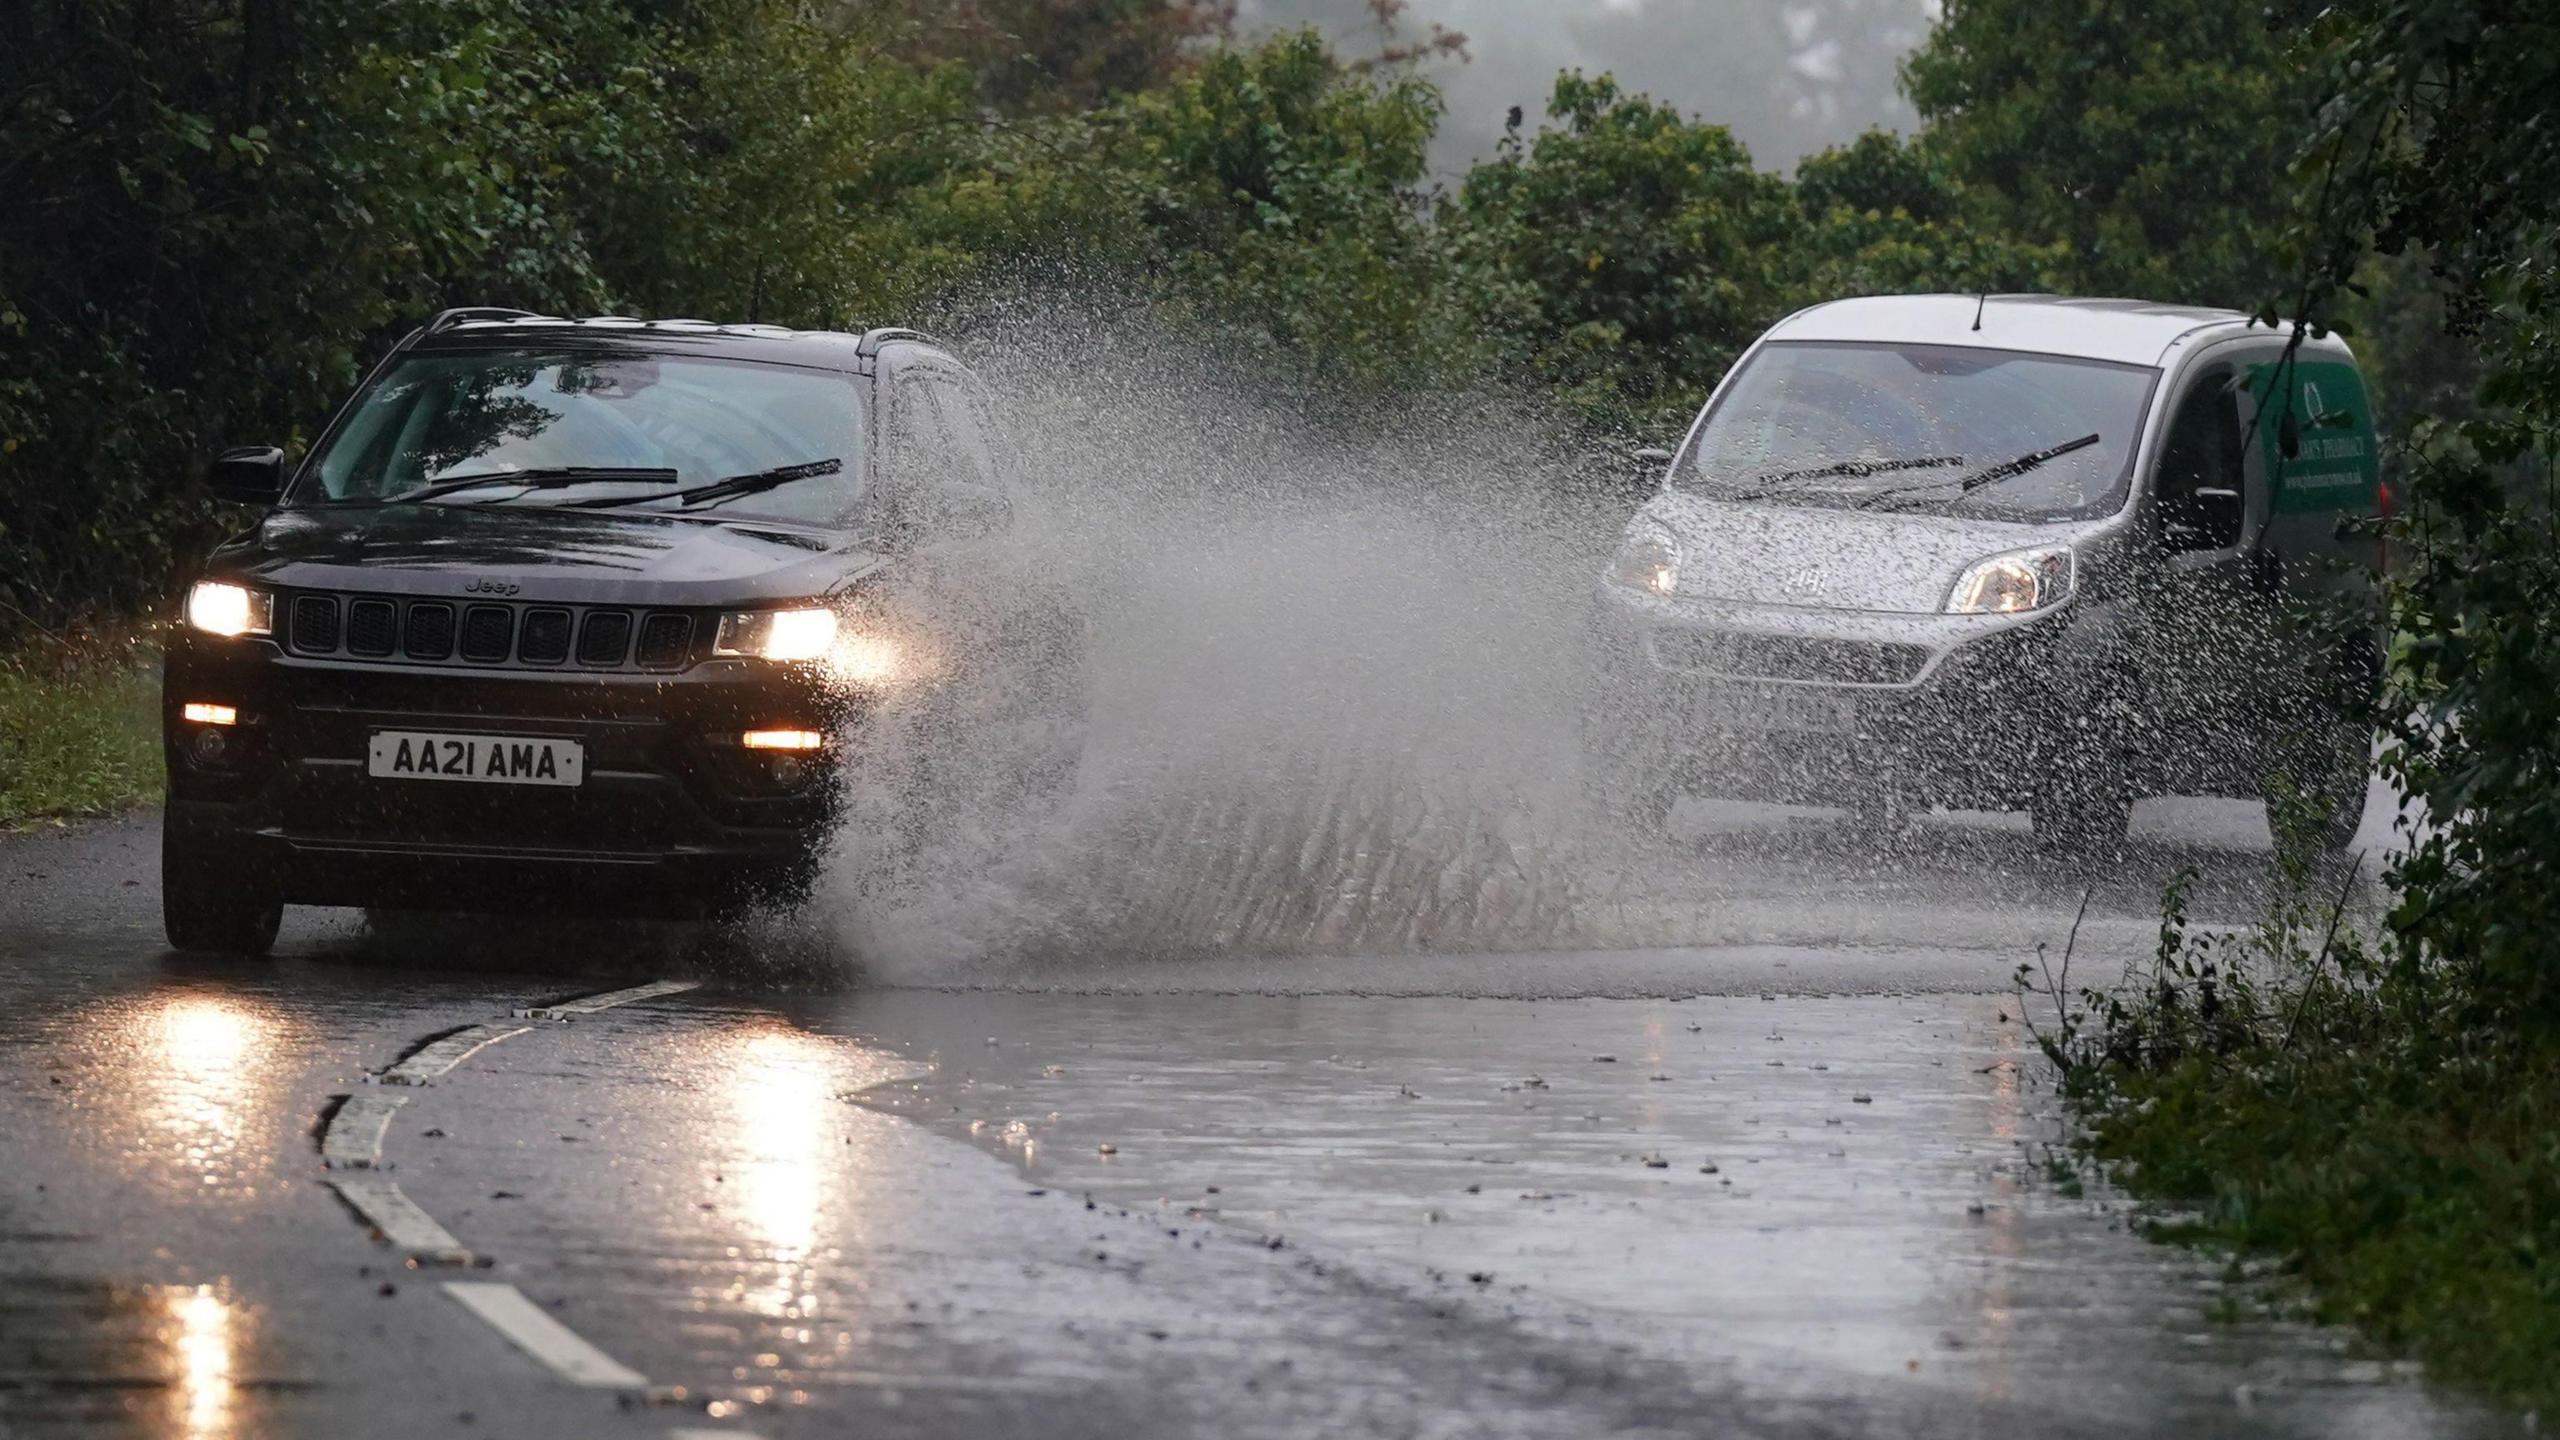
(729, 488)
(1988, 475)
(544, 477)
(1772, 485)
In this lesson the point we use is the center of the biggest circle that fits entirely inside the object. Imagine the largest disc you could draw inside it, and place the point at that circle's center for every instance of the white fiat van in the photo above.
(2016, 552)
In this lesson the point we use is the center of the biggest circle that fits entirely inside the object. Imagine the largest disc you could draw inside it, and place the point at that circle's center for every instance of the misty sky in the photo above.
(1789, 76)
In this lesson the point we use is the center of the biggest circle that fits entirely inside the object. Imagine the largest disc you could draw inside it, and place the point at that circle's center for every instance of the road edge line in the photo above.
(590, 1004)
(534, 1331)
(380, 1201)
(440, 1057)
(352, 1137)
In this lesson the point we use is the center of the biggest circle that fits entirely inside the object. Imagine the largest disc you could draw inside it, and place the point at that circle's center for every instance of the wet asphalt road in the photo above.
(1791, 1183)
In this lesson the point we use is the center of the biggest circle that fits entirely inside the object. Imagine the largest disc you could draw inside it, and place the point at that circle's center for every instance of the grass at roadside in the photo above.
(79, 730)
(2422, 1205)
(2312, 1096)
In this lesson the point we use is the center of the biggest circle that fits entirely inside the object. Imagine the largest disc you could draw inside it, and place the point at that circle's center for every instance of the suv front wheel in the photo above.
(206, 905)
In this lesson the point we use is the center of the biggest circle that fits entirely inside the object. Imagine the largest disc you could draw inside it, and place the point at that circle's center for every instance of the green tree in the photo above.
(1884, 216)
(2150, 142)
(2435, 143)
(1626, 254)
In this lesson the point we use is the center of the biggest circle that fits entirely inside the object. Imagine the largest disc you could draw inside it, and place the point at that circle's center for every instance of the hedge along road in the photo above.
(1788, 1185)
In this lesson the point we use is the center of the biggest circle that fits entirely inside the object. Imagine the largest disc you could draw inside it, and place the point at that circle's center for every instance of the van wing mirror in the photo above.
(250, 475)
(2207, 518)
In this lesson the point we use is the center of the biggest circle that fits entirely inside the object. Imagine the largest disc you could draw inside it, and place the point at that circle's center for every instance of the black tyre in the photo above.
(210, 906)
(2083, 815)
(2338, 768)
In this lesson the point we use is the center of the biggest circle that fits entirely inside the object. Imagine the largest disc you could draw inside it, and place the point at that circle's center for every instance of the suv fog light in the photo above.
(783, 740)
(196, 712)
(210, 748)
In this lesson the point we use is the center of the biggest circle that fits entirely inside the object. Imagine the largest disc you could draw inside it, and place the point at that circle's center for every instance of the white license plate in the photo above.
(1748, 708)
(481, 759)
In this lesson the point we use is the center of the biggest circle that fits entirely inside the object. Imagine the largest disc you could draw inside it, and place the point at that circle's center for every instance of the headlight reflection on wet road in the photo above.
(780, 1090)
(204, 1080)
(202, 1326)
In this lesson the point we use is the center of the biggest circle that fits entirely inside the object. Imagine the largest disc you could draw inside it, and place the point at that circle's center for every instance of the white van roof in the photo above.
(2131, 332)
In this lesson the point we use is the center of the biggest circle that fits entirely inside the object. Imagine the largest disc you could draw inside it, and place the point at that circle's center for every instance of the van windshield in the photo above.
(585, 429)
(1941, 427)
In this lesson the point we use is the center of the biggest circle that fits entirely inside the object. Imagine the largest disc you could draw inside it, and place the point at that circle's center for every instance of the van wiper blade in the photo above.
(545, 477)
(725, 489)
(1988, 475)
(1773, 485)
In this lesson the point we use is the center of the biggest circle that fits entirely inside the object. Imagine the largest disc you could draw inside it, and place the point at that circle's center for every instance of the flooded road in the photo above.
(1793, 1181)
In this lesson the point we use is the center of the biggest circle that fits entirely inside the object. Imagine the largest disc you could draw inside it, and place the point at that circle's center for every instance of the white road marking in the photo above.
(534, 1332)
(446, 1053)
(701, 1434)
(605, 1001)
(353, 1139)
(378, 1199)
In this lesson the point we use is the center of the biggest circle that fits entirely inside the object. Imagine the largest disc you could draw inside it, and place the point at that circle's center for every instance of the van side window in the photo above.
(2203, 467)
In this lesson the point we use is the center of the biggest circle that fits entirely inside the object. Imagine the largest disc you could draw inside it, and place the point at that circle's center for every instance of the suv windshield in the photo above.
(596, 430)
(1943, 427)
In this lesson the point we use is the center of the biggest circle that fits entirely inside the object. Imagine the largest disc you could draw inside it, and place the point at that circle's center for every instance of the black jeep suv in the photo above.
(562, 616)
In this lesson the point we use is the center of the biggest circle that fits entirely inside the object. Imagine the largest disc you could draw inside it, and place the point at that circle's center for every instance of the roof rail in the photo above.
(872, 340)
(447, 319)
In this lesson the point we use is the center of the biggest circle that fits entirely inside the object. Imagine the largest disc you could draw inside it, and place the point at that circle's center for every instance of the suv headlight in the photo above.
(217, 607)
(2018, 581)
(1648, 561)
(804, 634)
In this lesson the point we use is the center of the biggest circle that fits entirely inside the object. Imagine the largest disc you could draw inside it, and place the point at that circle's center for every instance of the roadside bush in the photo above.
(79, 728)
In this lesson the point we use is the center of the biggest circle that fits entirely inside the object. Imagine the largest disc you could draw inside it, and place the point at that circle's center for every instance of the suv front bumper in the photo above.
(672, 816)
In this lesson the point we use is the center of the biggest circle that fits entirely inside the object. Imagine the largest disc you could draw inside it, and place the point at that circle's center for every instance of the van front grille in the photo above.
(1817, 659)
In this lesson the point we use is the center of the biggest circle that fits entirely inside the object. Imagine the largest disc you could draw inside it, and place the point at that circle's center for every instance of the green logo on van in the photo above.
(2334, 465)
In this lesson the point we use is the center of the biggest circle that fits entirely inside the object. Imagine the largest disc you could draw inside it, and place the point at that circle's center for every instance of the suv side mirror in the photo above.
(2207, 518)
(250, 475)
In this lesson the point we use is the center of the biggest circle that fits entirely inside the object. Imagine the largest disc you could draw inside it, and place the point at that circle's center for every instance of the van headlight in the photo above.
(2018, 581)
(1649, 561)
(804, 634)
(219, 608)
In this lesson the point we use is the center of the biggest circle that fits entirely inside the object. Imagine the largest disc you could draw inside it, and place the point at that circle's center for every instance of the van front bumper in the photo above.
(1809, 706)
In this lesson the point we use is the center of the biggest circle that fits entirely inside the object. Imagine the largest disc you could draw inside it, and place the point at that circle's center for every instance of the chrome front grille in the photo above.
(1818, 659)
(488, 634)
